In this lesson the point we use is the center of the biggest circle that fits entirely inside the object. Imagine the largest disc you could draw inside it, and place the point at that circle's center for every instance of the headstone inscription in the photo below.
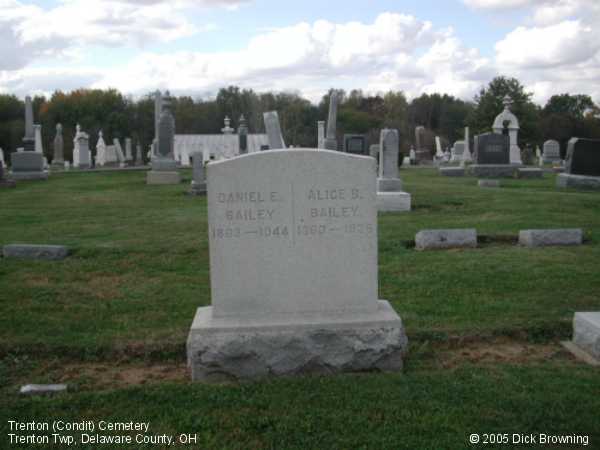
(492, 148)
(356, 144)
(293, 256)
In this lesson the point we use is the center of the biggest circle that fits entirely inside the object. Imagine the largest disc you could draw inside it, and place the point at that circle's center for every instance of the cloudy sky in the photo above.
(197, 46)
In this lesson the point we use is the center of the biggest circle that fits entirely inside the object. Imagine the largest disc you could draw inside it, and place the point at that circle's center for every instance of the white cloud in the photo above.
(305, 57)
(567, 42)
(500, 4)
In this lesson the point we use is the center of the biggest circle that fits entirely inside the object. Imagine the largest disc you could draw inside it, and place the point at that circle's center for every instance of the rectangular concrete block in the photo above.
(586, 332)
(542, 238)
(160, 177)
(440, 239)
(393, 201)
(564, 180)
(530, 173)
(493, 170)
(26, 251)
(452, 171)
(488, 183)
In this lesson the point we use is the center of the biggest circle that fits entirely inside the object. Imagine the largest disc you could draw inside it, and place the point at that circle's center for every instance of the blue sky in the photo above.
(196, 47)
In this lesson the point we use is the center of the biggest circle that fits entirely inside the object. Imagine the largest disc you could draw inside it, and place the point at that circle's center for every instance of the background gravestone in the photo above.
(293, 266)
(356, 144)
(273, 128)
(492, 148)
(551, 152)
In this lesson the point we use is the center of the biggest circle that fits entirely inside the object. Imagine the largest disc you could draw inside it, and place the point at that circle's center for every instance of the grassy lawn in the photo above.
(484, 324)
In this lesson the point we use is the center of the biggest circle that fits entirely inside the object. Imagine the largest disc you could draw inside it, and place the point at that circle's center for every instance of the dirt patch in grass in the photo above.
(501, 351)
(121, 375)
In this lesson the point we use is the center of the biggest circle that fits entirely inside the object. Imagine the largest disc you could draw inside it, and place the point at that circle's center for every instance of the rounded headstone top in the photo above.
(58, 128)
(506, 116)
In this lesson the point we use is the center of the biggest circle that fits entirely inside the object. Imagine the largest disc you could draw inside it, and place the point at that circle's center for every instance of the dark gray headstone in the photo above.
(356, 144)
(492, 148)
(27, 162)
(583, 157)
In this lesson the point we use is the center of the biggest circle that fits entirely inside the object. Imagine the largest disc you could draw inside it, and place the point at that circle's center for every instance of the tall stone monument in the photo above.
(243, 135)
(321, 134)
(390, 196)
(164, 167)
(198, 186)
(82, 156)
(128, 152)
(101, 151)
(466, 158)
(330, 141)
(227, 128)
(293, 266)
(424, 142)
(139, 159)
(58, 160)
(507, 121)
(273, 128)
(28, 164)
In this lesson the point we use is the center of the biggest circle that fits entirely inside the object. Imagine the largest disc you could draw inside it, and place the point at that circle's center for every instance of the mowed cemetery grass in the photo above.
(484, 324)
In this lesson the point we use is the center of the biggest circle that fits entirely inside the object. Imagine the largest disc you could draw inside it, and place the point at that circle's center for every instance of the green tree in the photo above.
(489, 103)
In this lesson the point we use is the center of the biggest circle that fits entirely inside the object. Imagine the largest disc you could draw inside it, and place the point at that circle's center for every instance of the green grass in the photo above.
(140, 268)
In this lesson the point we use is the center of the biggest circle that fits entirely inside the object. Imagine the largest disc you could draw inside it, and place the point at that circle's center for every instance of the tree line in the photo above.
(120, 116)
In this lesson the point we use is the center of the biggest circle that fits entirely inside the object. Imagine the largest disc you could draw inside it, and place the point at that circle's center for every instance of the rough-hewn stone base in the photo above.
(29, 175)
(586, 332)
(493, 170)
(393, 201)
(544, 238)
(530, 172)
(160, 177)
(452, 171)
(220, 349)
(29, 251)
(564, 180)
(438, 239)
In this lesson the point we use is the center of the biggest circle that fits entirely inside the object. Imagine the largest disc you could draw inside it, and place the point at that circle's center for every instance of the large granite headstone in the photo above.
(293, 265)
(273, 130)
(583, 157)
(492, 148)
(28, 164)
